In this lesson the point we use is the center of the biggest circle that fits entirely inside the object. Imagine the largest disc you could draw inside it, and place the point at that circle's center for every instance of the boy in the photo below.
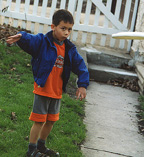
(53, 57)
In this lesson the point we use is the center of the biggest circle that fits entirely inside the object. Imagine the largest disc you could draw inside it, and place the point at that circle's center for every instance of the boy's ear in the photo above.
(52, 26)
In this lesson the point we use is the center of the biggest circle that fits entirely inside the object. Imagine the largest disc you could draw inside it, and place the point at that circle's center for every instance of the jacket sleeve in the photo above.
(80, 69)
(30, 43)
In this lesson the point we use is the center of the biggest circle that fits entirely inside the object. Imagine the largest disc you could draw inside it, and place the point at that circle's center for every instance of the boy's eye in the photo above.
(69, 29)
(63, 28)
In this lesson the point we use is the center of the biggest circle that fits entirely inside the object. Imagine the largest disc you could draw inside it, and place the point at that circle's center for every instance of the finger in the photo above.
(78, 95)
(9, 37)
(82, 97)
(12, 37)
(10, 41)
(15, 37)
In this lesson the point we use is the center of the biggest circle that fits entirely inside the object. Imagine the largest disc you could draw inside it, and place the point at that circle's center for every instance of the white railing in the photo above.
(95, 21)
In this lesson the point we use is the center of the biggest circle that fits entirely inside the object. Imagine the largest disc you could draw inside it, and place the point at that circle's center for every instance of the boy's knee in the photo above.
(50, 122)
(39, 123)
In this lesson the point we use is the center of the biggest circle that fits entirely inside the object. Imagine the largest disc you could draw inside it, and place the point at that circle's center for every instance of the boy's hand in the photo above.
(81, 93)
(13, 39)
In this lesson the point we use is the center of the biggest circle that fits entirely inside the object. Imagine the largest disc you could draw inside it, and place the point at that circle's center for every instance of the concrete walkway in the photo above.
(112, 129)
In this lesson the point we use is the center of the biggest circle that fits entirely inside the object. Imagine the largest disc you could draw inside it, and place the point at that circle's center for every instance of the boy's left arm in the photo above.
(80, 69)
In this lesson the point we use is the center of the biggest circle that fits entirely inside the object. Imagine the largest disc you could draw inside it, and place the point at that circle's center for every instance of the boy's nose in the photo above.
(66, 32)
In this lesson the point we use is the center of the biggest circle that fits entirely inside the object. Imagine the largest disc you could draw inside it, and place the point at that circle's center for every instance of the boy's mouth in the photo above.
(63, 38)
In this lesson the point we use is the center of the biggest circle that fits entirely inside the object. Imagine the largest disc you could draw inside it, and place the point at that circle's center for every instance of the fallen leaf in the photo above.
(13, 116)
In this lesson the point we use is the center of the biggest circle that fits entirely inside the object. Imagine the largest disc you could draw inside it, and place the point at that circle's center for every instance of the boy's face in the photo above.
(61, 31)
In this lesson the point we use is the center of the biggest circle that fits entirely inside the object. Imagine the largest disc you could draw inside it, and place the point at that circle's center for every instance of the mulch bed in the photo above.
(141, 124)
(7, 30)
(128, 84)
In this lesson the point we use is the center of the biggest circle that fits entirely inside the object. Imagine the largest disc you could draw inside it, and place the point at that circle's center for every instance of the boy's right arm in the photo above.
(28, 42)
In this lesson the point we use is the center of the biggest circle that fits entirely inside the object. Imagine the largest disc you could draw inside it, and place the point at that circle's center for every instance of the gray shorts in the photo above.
(45, 108)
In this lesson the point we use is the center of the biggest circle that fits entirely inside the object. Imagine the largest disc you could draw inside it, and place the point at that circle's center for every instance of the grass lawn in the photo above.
(141, 115)
(16, 100)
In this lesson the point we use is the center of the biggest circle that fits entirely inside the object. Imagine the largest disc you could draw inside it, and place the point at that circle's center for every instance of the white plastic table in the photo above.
(129, 35)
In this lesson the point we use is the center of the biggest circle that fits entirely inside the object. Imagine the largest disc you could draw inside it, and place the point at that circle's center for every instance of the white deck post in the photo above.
(138, 44)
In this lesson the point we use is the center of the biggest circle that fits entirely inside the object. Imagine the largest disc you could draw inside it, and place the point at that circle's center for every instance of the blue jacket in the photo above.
(44, 54)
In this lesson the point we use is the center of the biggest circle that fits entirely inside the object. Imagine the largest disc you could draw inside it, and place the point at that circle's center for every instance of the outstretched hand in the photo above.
(81, 93)
(13, 39)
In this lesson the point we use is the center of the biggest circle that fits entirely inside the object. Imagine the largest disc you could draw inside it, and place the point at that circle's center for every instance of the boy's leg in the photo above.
(35, 132)
(38, 115)
(44, 109)
(34, 135)
(46, 129)
(52, 117)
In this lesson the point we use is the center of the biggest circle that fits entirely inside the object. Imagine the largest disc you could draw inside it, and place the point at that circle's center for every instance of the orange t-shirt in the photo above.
(54, 83)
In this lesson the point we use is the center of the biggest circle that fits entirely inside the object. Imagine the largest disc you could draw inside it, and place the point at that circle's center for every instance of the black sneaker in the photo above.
(49, 152)
(36, 153)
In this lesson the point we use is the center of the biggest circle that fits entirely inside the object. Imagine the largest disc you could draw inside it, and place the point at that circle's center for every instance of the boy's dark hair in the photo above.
(62, 15)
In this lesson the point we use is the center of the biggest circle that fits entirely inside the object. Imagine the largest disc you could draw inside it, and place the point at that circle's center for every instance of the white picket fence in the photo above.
(94, 20)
